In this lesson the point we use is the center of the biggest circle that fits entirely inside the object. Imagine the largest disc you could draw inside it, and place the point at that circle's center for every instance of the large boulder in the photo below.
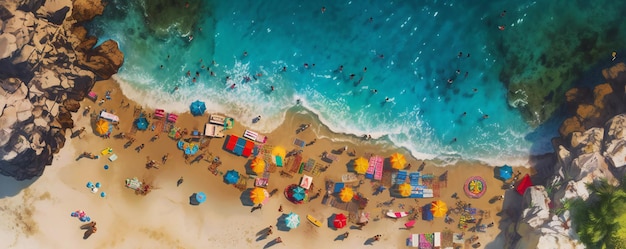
(615, 142)
(104, 60)
(85, 10)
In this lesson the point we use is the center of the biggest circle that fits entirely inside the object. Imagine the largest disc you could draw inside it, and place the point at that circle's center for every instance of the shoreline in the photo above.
(165, 218)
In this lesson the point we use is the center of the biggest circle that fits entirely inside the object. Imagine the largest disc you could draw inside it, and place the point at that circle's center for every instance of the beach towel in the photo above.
(299, 142)
(369, 174)
(426, 241)
(309, 165)
(415, 240)
(172, 117)
(250, 135)
(113, 157)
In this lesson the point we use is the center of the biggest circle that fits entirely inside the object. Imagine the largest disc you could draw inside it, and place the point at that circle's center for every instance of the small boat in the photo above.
(393, 214)
(313, 220)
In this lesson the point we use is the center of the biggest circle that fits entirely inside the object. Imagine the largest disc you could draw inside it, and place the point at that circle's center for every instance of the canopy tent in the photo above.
(200, 197)
(240, 146)
(306, 181)
(188, 148)
(505, 172)
(404, 189)
(197, 108)
(292, 220)
(438, 208)
(346, 194)
(231, 177)
(397, 161)
(141, 123)
(340, 220)
(258, 165)
(524, 184)
(258, 195)
(103, 127)
(360, 165)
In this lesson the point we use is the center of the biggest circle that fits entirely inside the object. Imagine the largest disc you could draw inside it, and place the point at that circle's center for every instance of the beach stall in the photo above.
(306, 181)
(346, 194)
(258, 165)
(360, 165)
(397, 161)
(231, 177)
(340, 220)
(504, 173)
(259, 195)
(292, 220)
(438, 208)
(102, 127)
(197, 108)
(524, 184)
(141, 123)
(240, 146)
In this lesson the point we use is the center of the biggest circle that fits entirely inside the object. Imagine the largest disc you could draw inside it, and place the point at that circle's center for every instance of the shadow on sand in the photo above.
(369, 242)
(10, 187)
(245, 198)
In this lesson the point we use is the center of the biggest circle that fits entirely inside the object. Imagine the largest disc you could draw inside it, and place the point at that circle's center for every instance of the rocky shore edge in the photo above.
(592, 146)
(48, 64)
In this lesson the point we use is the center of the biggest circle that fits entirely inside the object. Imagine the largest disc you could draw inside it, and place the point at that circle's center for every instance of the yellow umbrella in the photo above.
(258, 195)
(360, 165)
(438, 208)
(346, 194)
(102, 127)
(397, 161)
(279, 151)
(404, 189)
(258, 165)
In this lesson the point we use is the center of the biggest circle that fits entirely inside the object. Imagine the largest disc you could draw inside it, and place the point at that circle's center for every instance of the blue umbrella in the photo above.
(231, 177)
(98, 184)
(200, 197)
(141, 123)
(298, 193)
(89, 184)
(292, 220)
(102, 194)
(197, 108)
(505, 172)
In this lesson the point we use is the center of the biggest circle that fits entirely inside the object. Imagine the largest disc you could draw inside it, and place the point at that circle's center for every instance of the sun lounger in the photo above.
(415, 240)
(338, 187)
(217, 119)
(437, 240)
(369, 174)
(309, 165)
(172, 117)
(254, 136)
(401, 176)
(299, 142)
(113, 157)
(414, 178)
(377, 162)
(159, 113)
(349, 177)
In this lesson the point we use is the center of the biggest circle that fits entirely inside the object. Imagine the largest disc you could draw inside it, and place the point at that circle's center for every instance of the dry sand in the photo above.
(38, 216)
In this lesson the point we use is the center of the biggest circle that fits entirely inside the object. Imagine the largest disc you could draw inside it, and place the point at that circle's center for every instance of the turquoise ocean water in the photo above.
(410, 49)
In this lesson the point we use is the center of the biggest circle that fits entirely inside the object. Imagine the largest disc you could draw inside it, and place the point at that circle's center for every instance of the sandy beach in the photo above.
(37, 213)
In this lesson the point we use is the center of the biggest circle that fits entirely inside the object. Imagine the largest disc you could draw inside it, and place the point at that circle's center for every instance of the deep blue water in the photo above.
(411, 50)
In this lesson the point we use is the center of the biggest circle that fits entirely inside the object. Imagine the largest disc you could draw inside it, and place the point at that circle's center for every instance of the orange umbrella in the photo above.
(279, 151)
(438, 208)
(346, 194)
(258, 195)
(404, 189)
(360, 165)
(102, 127)
(397, 161)
(258, 165)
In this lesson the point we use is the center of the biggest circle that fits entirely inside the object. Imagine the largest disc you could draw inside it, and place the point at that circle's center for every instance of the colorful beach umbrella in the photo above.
(397, 161)
(404, 189)
(200, 197)
(258, 165)
(298, 193)
(231, 177)
(340, 220)
(360, 165)
(141, 123)
(258, 195)
(346, 194)
(505, 172)
(102, 127)
(197, 108)
(438, 208)
(279, 151)
(292, 220)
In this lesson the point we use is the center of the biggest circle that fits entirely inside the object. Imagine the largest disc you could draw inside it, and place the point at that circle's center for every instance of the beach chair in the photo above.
(415, 240)
(414, 178)
(298, 142)
(401, 177)
(309, 165)
(113, 157)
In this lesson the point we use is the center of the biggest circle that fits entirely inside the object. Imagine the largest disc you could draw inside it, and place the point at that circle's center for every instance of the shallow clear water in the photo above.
(410, 48)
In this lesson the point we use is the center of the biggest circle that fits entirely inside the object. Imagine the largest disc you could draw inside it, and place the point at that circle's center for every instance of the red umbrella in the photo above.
(340, 221)
(524, 184)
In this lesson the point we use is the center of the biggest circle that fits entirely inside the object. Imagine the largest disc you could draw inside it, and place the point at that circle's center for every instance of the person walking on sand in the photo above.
(345, 235)
(280, 208)
(180, 181)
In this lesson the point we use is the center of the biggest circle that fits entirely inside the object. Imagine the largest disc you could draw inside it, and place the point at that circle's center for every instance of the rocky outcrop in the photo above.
(45, 69)
(596, 153)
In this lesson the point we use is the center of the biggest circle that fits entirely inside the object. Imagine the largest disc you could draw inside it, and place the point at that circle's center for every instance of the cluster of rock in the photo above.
(47, 64)
(590, 148)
